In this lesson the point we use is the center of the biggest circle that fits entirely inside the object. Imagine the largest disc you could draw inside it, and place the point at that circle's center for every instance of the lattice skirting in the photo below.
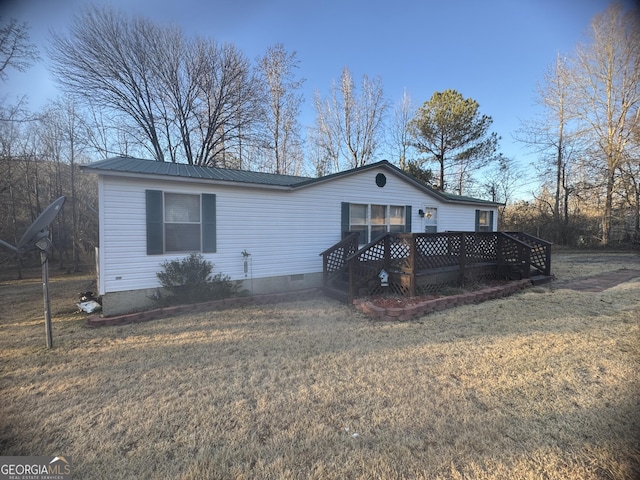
(433, 281)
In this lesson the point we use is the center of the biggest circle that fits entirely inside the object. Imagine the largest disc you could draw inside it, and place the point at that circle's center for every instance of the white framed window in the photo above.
(182, 222)
(373, 220)
(484, 220)
(179, 222)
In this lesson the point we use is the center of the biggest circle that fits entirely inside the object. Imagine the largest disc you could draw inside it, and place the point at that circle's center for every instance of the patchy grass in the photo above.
(543, 384)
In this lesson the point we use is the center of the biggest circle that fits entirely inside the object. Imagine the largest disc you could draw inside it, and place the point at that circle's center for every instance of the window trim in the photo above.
(155, 223)
(182, 225)
(347, 225)
(479, 226)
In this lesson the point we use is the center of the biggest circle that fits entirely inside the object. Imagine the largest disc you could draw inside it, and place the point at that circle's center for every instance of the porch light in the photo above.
(421, 213)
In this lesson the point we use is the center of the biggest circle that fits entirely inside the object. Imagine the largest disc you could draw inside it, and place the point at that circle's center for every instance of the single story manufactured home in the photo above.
(151, 212)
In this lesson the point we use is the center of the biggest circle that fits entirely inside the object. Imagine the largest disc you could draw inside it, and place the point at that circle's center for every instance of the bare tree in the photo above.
(348, 125)
(183, 100)
(326, 136)
(16, 50)
(499, 182)
(63, 134)
(282, 108)
(401, 143)
(553, 138)
(606, 95)
(630, 173)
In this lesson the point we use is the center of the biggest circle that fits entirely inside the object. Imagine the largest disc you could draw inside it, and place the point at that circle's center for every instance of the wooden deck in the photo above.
(419, 263)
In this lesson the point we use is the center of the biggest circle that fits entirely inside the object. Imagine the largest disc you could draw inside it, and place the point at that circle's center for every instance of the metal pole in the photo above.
(45, 291)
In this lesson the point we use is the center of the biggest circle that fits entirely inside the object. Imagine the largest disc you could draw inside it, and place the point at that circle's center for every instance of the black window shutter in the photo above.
(491, 220)
(208, 223)
(407, 219)
(154, 222)
(477, 221)
(344, 219)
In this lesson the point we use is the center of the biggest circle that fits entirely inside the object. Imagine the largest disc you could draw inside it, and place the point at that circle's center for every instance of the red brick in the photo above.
(394, 312)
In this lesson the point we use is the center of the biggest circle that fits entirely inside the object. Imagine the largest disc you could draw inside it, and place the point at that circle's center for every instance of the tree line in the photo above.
(132, 87)
(588, 138)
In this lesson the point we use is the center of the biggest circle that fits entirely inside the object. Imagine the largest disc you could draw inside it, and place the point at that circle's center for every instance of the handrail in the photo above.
(366, 247)
(345, 241)
(544, 264)
(522, 261)
(531, 237)
(515, 239)
(344, 246)
(360, 276)
(404, 256)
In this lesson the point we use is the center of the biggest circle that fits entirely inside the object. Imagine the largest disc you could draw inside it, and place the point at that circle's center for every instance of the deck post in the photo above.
(499, 253)
(325, 273)
(387, 253)
(462, 258)
(547, 263)
(352, 279)
(412, 265)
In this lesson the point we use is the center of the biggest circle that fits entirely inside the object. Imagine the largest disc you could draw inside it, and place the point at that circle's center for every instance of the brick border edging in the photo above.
(217, 305)
(390, 313)
(441, 303)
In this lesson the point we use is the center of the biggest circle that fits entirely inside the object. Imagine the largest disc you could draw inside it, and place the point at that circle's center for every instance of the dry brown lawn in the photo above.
(543, 384)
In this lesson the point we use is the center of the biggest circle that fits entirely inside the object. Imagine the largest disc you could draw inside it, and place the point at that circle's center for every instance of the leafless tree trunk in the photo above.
(348, 126)
(551, 137)
(184, 100)
(606, 94)
(282, 108)
(400, 136)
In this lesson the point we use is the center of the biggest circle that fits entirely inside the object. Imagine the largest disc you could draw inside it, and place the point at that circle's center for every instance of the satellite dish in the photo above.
(40, 228)
(37, 236)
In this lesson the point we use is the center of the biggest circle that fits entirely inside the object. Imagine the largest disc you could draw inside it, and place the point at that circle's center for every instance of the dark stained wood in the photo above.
(420, 263)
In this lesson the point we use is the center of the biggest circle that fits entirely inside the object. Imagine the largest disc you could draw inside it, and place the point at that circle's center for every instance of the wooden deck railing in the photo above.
(540, 251)
(412, 260)
(334, 259)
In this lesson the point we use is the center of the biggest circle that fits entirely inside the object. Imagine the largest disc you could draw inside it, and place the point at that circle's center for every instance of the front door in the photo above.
(430, 220)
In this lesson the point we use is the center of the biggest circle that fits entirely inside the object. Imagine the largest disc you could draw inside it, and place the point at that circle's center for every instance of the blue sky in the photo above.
(494, 51)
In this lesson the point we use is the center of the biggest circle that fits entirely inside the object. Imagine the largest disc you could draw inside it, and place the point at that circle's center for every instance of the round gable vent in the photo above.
(381, 180)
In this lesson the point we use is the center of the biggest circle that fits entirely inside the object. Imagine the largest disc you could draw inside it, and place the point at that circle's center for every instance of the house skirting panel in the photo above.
(120, 303)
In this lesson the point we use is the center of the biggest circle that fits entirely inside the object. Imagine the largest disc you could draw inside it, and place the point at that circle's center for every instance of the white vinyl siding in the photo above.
(283, 230)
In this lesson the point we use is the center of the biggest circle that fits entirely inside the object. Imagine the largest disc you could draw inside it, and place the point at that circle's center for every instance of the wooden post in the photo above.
(462, 257)
(325, 274)
(387, 252)
(352, 279)
(547, 265)
(412, 265)
(500, 270)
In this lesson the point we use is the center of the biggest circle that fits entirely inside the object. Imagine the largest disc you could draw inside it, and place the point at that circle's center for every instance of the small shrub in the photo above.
(190, 281)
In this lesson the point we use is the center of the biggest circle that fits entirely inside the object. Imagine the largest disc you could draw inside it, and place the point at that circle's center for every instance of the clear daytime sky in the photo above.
(494, 51)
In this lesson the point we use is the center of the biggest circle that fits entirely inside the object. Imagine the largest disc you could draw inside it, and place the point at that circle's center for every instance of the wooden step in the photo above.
(340, 295)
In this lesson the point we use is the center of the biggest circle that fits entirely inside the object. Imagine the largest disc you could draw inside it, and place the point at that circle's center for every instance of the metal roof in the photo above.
(151, 167)
(137, 166)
